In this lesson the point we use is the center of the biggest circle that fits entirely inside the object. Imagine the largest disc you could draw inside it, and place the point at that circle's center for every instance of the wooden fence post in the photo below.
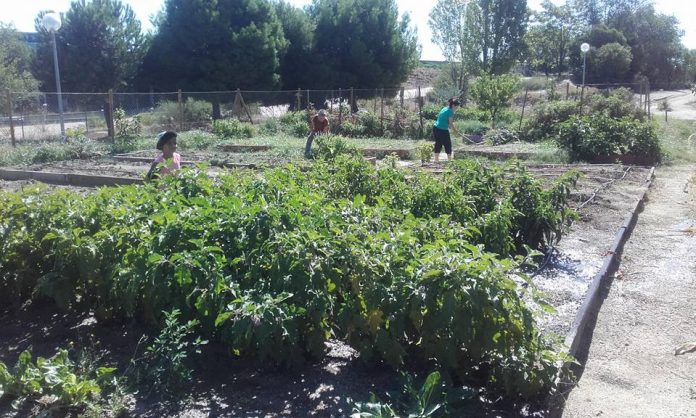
(420, 111)
(381, 113)
(401, 98)
(10, 104)
(352, 100)
(374, 107)
(181, 109)
(340, 107)
(110, 116)
(331, 102)
(524, 104)
(299, 99)
(567, 90)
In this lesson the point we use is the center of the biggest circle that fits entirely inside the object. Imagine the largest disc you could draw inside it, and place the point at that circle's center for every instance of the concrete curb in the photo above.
(68, 179)
(593, 301)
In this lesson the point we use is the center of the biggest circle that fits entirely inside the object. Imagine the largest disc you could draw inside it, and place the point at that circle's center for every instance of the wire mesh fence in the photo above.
(28, 117)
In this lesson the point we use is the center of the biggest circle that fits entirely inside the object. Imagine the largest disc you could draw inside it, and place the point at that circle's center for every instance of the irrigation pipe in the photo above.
(602, 187)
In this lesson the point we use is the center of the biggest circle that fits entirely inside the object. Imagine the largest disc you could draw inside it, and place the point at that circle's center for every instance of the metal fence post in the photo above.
(299, 100)
(352, 100)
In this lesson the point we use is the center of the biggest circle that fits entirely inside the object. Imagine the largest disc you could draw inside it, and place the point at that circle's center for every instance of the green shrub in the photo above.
(328, 147)
(501, 136)
(588, 137)
(298, 129)
(617, 104)
(472, 127)
(425, 152)
(535, 83)
(196, 140)
(472, 113)
(370, 123)
(270, 127)
(546, 119)
(195, 113)
(351, 129)
(291, 118)
(233, 129)
(430, 111)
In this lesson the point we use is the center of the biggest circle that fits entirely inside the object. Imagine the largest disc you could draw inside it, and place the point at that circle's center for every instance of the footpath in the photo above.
(631, 369)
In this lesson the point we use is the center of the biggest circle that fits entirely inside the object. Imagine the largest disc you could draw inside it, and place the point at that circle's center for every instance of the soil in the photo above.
(630, 366)
(227, 386)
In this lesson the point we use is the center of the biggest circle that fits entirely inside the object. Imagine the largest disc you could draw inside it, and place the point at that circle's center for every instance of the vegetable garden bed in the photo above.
(321, 388)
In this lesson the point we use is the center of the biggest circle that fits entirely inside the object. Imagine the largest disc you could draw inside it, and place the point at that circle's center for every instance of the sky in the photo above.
(22, 14)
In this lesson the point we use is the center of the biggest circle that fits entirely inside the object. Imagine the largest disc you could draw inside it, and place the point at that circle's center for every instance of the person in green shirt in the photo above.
(442, 127)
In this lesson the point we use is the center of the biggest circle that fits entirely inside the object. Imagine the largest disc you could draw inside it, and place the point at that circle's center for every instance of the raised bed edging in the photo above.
(245, 148)
(70, 179)
(603, 279)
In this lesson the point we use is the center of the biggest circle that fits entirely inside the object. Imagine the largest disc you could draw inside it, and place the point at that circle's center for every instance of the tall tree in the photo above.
(100, 46)
(655, 41)
(203, 45)
(503, 25)
(15, 64)
(455, 28)
(549, 36)
(363, 43)
(297, 63)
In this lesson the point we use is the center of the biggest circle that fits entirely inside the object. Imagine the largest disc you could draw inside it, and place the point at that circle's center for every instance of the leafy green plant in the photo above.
(126, 128)
(501, 136)
(425, 152)
(56, 377)
(328, 147)
(472, 127)
(197, 140)
(492, 94)
(233, 129)
(589, 137)
(165, 361)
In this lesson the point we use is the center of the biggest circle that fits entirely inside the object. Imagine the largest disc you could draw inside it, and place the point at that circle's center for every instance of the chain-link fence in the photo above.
(30, 117)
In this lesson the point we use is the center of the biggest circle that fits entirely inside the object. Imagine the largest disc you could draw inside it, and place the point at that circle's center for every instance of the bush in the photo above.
(501, 136)
(617, 104)
(545, 120)
(370, 123)
(351, 129)
(328, 147)
(588, 137)
(535, 83)
(195, 113)
(270, 127)
(430, 111)
(233, 129)
(196, 140)
(472, 127)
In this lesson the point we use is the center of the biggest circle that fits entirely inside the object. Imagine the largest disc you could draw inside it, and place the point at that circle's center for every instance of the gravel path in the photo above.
(631, 369)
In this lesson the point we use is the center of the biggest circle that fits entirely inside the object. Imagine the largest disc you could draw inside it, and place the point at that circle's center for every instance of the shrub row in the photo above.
(273, 265)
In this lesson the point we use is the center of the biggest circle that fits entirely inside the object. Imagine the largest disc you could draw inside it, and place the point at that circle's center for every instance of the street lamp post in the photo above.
(51, 22)
(583, 48)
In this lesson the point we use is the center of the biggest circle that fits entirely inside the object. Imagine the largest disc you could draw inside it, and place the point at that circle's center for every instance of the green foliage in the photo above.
(611, 63)
(57, 376)
(127, 129)
(196, 140)
(428, 401)
(100, 44)
(244, 40)
(192, 113)
(15, 62)
(165, 361)
(472, 127)
(233, 129)
(328, 147)
(501, 136)
(409, 270)
(425, 152)
(493, 94)
(598, 135)
(362, 43)
(546, 118)
(298, 29)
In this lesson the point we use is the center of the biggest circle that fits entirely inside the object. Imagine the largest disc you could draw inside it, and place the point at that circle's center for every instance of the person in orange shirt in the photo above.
(320, 126)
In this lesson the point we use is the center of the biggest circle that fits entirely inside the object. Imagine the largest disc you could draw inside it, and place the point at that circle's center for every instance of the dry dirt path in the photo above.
(631, 369)
(682, 102)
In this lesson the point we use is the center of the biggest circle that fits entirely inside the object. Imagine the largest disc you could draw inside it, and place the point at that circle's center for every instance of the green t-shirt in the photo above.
(442, 121)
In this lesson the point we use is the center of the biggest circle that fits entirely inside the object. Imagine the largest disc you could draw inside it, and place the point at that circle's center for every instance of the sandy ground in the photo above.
(682, 102)
(631, 369)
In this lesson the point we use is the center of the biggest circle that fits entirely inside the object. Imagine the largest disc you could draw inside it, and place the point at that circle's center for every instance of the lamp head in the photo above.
(584, 47)
(51, 22)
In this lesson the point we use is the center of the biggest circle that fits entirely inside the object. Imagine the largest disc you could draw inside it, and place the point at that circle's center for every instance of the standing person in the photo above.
(442, 127)
(169, 161)
(320, 126)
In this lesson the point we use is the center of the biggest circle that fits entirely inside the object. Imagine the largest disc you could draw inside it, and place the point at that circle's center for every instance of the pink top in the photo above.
(175, 165)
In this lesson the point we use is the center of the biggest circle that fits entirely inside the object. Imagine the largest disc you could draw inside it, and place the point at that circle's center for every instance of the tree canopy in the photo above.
(15, 63)
(362, 43)
(100, 46)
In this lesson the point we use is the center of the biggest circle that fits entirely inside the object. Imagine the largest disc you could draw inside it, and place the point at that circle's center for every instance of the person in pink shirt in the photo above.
(169, 161)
